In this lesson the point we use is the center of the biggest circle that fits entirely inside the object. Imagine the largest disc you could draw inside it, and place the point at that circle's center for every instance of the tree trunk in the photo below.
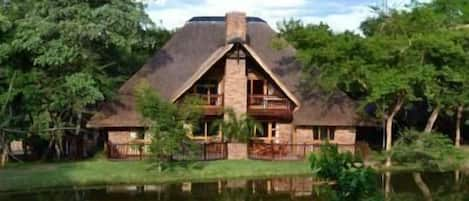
(432, 119)
(78, 124)
(422, 186)
(457, 140)
(3, 150)
(49, 147)
(4, 156)
(389, 122)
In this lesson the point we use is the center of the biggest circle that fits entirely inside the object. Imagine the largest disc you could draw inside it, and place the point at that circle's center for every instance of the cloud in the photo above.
(341, 15)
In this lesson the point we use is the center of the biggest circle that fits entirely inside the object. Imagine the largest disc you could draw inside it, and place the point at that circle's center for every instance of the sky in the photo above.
(340, 15)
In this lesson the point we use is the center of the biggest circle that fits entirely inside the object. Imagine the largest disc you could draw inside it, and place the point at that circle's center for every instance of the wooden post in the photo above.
(269, 131)
(304, 150)
(205, 151)
(140, 150)
(272, 150)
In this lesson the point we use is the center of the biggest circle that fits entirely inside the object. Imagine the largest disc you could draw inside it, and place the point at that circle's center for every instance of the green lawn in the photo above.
(30, 176)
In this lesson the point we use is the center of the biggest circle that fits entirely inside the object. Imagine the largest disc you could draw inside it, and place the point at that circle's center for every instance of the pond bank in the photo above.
(30, 176)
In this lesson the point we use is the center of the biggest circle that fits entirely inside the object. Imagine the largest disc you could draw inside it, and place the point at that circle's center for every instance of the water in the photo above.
(443, 186)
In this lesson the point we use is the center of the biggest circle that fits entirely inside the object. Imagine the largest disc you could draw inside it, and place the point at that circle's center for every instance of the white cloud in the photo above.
(341, 15)
(176, 15)
(346, 21)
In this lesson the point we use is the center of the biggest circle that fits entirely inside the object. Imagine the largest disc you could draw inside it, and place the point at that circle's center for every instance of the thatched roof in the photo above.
(200, 41)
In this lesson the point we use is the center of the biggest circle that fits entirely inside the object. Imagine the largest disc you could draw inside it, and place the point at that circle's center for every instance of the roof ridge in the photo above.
(222, 19)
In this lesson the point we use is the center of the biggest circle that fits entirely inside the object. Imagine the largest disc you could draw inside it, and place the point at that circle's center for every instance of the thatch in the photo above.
(197, 42)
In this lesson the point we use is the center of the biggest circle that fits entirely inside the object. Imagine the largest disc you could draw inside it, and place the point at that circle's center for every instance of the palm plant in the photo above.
(236, 127)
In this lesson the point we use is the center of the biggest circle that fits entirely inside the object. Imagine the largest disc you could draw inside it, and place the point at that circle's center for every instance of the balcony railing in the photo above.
(268, 102)
(287, 151)
(212, 100)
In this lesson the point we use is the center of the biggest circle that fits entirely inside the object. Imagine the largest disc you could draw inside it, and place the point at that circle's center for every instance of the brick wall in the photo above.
(284, 132)
(236, 85)
(237, 151)
(344, 137)
(236, 26)
(119, 137)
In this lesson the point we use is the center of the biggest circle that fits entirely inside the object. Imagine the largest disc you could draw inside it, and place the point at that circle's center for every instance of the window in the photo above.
(212, 129)
(207, 89)
(256, 87)
(323, 133)
(198, 130)
(205, 128)
(274, 129)
(138, 134)
(263, 131)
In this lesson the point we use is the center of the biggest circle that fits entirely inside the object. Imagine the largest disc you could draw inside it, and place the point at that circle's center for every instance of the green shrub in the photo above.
(353, 181)
(427, 150)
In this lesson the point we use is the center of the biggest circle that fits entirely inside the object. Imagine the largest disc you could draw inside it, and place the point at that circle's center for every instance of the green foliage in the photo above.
(164, 121)
(78, 91)
(428, 150)
(67, 56)
(353, 181)
(236, 127)
(329, 163)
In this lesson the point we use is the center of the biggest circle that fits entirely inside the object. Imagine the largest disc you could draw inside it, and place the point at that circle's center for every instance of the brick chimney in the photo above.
(235, 90)
(235, 27)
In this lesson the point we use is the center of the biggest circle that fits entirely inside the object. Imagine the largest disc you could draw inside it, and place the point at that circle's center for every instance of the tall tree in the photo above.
(372, 69)
(70, 54)
(166, 122)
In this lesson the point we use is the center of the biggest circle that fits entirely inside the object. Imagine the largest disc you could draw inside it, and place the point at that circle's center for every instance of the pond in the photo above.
(443, 186)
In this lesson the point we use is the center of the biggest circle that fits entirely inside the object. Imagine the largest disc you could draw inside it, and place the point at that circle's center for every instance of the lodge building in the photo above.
(230, 62)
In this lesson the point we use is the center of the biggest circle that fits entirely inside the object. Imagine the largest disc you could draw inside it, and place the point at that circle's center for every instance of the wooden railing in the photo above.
(273, 151)
(212, 100)
(202, 151)
(128, 151)
(268, 102)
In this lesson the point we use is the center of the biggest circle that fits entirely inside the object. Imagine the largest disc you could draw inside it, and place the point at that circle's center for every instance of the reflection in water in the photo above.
(417, 186)
(443, 186)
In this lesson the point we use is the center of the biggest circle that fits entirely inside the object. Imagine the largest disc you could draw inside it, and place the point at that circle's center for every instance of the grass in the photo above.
(33, 176)
(376, 161)
(99, 171)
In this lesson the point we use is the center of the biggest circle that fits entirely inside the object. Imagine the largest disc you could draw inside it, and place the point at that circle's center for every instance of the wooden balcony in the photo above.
(269, 107)
(212, 104)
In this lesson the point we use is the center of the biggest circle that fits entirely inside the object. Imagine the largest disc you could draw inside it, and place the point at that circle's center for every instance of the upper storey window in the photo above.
(208, 91)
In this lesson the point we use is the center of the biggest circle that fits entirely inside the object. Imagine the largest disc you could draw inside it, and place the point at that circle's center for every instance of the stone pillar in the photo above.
(236, 83)
(235, 89)
(235, 67)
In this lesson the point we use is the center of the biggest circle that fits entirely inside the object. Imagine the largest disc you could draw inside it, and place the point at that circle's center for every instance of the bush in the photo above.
(353, 181)
(427, 150)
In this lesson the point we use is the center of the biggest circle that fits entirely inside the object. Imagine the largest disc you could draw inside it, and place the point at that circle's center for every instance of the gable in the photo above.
(217, 55)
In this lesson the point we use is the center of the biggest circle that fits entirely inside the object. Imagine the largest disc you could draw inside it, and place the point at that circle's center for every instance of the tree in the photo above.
(6, 117)
(370, 69)
(403, 59)
(70, 54)
(166, 122)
